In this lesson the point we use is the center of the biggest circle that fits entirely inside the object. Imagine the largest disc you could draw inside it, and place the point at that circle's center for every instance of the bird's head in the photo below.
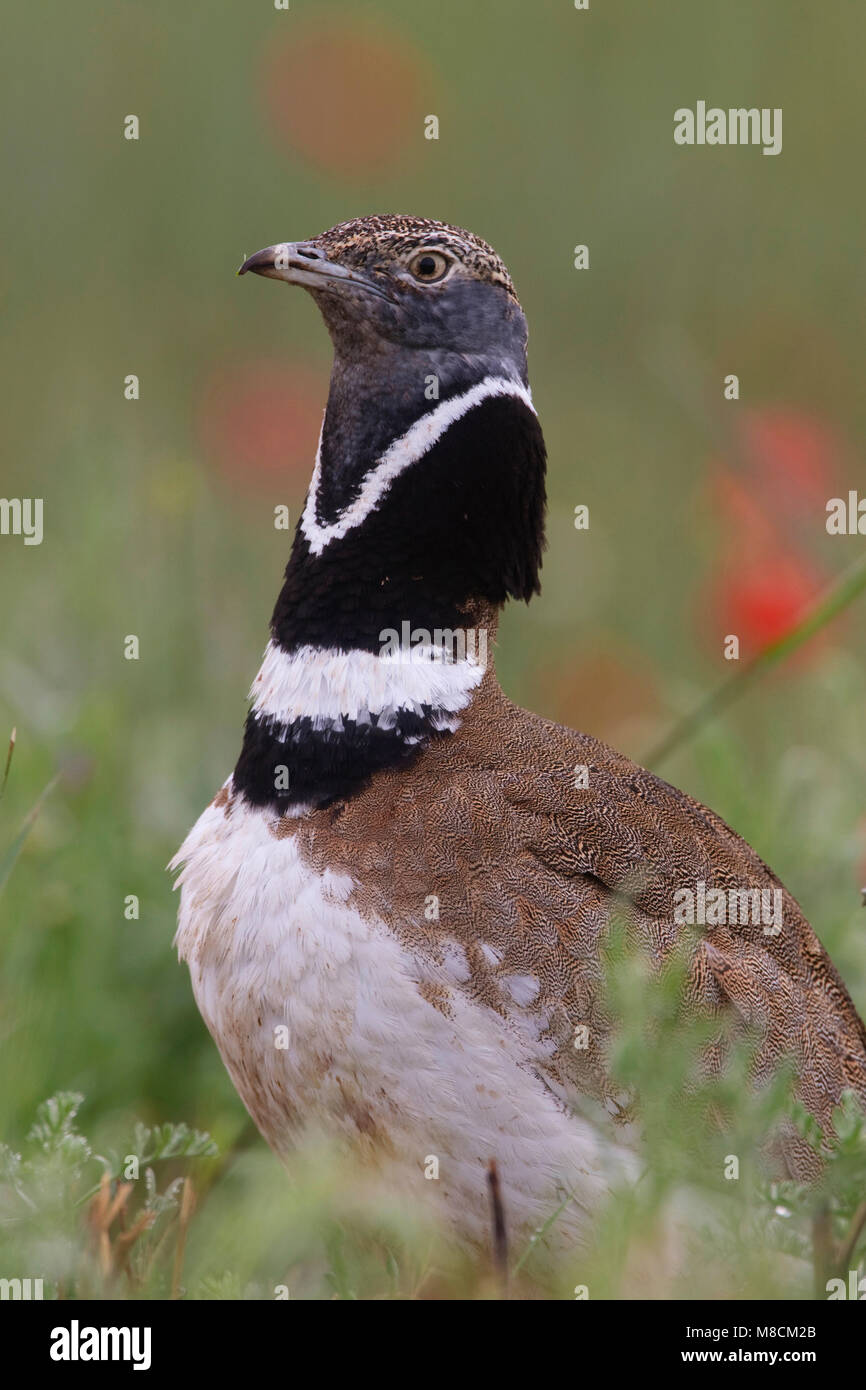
(419, 294)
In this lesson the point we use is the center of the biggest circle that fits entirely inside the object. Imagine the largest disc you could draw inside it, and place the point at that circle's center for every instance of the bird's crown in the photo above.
(366, 242)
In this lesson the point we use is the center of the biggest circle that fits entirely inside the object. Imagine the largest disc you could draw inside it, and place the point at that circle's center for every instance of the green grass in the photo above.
(157, 1214)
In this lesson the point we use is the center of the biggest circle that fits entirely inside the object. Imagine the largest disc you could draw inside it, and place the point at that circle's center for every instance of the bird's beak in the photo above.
(305, 263)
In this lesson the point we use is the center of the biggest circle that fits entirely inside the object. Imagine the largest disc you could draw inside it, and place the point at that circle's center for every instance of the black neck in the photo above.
(457, 533)
(462, 525)
(362, 420)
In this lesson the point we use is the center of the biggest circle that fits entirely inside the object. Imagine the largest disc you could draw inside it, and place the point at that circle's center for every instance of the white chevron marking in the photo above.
(399, 455)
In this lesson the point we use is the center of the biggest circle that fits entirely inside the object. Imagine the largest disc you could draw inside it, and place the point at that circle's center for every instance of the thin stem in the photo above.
(8, 761)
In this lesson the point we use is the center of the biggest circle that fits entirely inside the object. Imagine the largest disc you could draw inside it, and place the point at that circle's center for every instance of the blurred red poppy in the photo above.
(761, 599)
(349, 99)
(259, 422)
(793, 456)
(771, 501)
(785, 467)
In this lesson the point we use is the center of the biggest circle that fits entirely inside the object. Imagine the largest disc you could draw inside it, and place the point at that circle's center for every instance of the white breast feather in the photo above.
(270, 942)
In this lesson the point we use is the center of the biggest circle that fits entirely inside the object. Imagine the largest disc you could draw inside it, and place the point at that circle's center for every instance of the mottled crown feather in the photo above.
(366, 239)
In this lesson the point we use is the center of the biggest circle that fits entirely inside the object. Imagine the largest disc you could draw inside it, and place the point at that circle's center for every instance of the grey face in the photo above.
(417, 311)
(421, 298)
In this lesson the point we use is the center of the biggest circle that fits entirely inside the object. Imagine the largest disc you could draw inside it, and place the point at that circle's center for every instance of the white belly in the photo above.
(318, 1016)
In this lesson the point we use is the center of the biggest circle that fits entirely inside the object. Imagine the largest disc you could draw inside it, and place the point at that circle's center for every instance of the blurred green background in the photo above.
(706, 516)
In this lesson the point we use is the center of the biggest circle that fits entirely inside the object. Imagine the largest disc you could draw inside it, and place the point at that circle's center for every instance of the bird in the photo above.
(395, 909)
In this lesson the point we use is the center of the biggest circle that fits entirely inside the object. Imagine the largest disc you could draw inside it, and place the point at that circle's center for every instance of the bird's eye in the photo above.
(429, 266)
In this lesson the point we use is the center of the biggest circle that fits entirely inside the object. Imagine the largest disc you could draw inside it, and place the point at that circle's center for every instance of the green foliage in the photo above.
(70, 1217)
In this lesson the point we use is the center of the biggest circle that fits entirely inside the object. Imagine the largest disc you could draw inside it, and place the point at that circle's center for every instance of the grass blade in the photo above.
(8, 761)
(7, 863)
